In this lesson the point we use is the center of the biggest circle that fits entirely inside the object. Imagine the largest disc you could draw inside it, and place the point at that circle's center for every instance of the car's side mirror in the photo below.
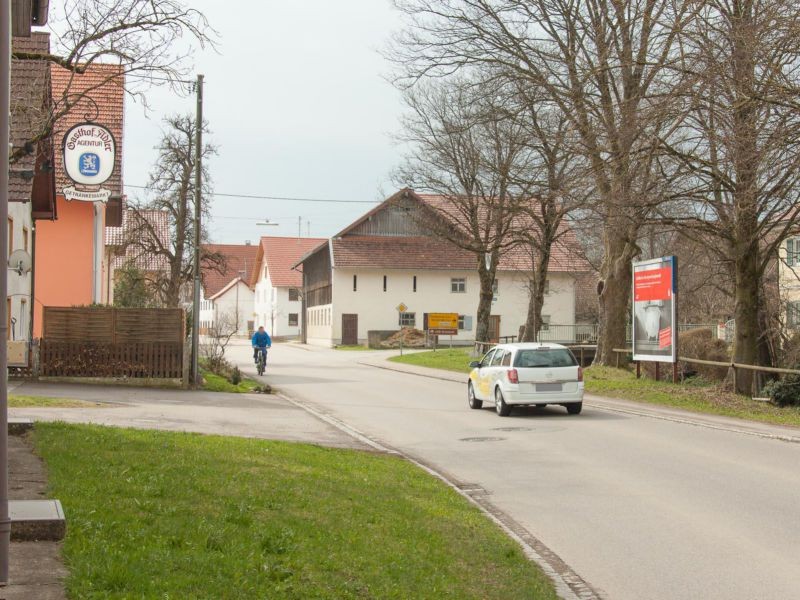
(474, 364)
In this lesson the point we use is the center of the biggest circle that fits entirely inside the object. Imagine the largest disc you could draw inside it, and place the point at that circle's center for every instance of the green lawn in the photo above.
(694, 395)
(173, 515)
(217, 383)
(457, 359)
(22, 401)
(353, 348)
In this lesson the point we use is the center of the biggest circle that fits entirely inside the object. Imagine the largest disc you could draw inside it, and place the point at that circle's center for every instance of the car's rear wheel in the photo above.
(574, 408)
(500, 405)
(473, 401)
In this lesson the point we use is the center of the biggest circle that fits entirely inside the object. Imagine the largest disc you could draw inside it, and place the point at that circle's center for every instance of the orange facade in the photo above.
(63, 273)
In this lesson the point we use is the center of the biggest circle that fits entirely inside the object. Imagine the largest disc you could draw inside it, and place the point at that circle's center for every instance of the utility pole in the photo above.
(5, 105)
(299, 227)
(198, 197)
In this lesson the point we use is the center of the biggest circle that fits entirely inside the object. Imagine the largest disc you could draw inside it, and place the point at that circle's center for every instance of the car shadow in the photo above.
(556, 412)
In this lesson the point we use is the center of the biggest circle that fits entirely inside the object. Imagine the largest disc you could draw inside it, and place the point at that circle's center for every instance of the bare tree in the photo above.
(147, 40)
(472, 155)
(737, 154)
(217, 338)
(605, 65)
(172, 189)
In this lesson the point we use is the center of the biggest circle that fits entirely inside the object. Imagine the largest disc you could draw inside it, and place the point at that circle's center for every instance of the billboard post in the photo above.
(654, 318)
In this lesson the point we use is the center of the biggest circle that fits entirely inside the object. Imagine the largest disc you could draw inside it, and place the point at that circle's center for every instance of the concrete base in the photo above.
(37, 520)
(19, 426)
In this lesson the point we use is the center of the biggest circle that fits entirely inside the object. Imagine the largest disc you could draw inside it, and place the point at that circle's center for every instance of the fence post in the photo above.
(675, 372)
(658, 371)
(617, 353)
(735, 387)
(638, 370)
(582, 356)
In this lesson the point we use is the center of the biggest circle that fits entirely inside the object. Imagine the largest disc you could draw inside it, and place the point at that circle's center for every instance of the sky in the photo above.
(298, 106)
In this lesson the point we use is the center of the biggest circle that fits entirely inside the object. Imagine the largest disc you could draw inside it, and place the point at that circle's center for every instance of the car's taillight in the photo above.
(580, 373)
(513, 376)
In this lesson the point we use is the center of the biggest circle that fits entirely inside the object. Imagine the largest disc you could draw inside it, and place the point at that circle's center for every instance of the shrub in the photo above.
(236, 376)
(701, 344)
(784, 392)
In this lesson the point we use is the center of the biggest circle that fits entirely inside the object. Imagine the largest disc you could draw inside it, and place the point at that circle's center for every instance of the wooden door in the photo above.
(349, 330)
(494, 329)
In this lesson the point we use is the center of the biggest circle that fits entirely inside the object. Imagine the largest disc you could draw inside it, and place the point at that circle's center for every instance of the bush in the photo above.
(784, 392)
(700, 344)
(236, 376)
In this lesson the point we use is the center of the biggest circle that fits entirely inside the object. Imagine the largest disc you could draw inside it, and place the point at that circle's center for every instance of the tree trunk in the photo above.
(486, 278)
(538, 280)
(615, 298)
(746, 313)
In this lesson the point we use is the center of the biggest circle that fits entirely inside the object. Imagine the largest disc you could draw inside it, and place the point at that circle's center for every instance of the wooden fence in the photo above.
(111, 342)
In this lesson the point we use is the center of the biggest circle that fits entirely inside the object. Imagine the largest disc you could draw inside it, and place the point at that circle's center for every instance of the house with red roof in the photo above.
(277, 284)
(69, 254)
(226, 296)
(388, 270)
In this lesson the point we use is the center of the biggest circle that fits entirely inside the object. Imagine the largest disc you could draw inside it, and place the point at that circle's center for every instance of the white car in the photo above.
(526, 373)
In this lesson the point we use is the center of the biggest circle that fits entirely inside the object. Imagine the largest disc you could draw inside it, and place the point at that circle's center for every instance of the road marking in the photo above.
(569, 585)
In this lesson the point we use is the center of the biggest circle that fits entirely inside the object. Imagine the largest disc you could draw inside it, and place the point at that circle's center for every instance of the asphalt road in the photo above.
(641, 506)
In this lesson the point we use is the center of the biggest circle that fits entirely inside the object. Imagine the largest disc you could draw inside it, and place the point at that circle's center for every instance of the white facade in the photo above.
(277, 308)
(20, 232)
(377, 309)
(232, 306)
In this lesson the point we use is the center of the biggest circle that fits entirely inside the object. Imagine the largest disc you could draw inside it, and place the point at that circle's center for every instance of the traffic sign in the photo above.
(442, 331)
(401, 307)
(443, 321)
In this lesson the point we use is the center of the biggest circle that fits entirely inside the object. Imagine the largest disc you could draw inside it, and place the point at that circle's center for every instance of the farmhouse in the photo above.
(226, 300)
(386, 271)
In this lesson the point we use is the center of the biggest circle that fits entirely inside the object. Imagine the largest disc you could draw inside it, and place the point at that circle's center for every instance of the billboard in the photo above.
(655, 330)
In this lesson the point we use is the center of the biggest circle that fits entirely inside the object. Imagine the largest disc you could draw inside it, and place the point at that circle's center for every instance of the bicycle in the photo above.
(262, 360)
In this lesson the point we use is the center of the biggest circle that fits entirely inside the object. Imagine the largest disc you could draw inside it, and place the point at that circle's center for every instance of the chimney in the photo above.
(247, 242)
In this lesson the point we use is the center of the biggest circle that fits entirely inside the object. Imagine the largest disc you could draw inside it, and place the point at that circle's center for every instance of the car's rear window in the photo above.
(545, 358)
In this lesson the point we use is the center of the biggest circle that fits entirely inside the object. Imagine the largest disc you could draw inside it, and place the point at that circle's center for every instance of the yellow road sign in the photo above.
(443, 321)
(402, 307)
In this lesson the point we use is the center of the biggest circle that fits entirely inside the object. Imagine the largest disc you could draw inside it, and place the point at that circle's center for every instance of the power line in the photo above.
(284, 198)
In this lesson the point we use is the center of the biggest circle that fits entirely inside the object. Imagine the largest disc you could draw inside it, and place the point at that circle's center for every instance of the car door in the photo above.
(483, 390)
(495, 369)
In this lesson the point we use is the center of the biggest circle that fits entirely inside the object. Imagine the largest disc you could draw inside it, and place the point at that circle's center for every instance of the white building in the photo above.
(227, 296)
(355, 282)
(278, 305)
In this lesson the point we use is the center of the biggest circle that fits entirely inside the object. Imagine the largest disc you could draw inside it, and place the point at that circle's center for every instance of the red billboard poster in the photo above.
(654, 307)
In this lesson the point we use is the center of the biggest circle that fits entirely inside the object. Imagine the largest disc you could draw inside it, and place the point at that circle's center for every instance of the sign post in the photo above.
(443, 324)
(655, 302)
(401, 308)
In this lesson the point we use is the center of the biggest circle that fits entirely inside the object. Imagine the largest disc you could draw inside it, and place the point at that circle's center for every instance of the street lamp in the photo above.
(267, 222)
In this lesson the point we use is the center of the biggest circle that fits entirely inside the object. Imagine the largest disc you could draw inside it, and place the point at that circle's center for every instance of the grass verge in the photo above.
(457, 359)
(354, 348)
(695, 395)
(173, 515)
(22, 401)
(216, 383)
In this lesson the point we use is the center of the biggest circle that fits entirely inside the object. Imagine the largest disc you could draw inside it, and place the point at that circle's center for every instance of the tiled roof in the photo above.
(281, 253)
(102, 95)
(240, 260)
(434, 253)
(117, 237)
(30, 87)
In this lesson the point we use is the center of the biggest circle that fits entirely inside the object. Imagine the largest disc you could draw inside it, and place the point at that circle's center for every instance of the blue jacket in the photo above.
(261, 340)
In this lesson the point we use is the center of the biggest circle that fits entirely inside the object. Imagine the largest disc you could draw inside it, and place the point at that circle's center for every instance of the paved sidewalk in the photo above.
(36, 569)
(245, 415)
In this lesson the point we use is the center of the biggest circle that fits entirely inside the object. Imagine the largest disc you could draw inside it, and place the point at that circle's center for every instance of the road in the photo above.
(641, 506)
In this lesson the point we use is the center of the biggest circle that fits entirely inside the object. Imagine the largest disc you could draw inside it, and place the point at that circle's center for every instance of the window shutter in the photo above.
(790, 252)
(468, 323)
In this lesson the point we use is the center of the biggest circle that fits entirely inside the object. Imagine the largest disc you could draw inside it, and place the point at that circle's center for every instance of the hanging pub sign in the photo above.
(654, 310)
(89, 156)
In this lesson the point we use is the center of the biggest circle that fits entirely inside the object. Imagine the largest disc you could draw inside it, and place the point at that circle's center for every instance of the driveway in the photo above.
(640, 503)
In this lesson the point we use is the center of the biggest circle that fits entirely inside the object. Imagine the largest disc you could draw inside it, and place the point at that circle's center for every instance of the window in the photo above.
(408, 319)
(545, 323)
(458, 285)
(546, 286)
(793, 315)
(487, 359)
(494, 287)
(25, 238)
(10, 235)
(545, 358)
(355, 283)
(497, 358)
(293, 319)
(384, 283)
(294, 295)
(793, 252)
(465, 322)
(506, 359)
(265, 271)
(414, 284)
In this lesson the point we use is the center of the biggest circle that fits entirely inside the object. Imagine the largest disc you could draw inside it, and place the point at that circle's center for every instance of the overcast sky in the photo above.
(298, 107)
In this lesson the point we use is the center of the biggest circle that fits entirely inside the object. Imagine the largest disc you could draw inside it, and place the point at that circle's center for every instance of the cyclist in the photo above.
(261, 341)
